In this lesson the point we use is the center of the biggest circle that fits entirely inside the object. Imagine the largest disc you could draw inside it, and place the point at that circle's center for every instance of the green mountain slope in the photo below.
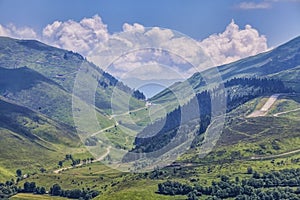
(249, 153)
(36, 92)
(245, 137)
(33, 90)
(281, 63)
(29, 140)
(60, 68)
(244, 80)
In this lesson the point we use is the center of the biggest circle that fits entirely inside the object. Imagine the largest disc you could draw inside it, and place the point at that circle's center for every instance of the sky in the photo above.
(225, 31)
(277, 19)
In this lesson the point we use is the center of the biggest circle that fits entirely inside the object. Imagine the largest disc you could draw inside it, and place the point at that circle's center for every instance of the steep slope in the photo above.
(281, 63)
(60, 68)
(242, 81)
(29, 140)
(188, 118)
(37, 115)
(33, 90)
(253, 138)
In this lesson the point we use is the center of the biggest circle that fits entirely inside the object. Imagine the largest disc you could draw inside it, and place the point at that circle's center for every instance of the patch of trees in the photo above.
(174, 188)
(56, 190)
(70, 55)
(175, 126)
(30, 187)
(74, 161)
(241, 90)
(8, 189)
(114, 82)
(138, 95)
(284, 184)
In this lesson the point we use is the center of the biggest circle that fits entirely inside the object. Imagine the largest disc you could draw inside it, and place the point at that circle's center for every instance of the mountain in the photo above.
(254, 152)
(55, 71)
(281, 63)
(276, 71)
(38, 104)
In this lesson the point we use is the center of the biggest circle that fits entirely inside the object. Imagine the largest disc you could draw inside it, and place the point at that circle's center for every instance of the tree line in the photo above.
(276, 185)
(9, 188)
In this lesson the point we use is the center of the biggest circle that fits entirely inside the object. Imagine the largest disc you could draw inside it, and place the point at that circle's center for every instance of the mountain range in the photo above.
(38, 127)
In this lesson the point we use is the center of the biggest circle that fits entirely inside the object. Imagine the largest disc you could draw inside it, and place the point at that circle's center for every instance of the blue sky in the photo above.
(277, 19)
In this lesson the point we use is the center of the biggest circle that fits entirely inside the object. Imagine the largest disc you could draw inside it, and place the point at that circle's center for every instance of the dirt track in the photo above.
(264, 110)
(80, 164)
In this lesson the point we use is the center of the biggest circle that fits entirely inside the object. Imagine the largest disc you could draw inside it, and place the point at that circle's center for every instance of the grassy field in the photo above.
(118, 185)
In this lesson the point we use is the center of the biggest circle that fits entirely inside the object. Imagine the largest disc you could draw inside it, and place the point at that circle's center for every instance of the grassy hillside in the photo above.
(281, 63)
(36, 128)
(31, 141)
(266, 144)
(41, 71)
(243, 137)
(38, 80)
(36, 92)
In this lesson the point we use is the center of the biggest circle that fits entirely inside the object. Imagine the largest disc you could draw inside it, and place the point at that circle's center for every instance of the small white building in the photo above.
(148, 104)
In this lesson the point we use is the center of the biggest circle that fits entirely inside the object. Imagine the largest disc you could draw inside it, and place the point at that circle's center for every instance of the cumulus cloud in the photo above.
(146, 62)
(137, 46)
(234, 43)
(135, 27)
(77, 36)
(21, 33)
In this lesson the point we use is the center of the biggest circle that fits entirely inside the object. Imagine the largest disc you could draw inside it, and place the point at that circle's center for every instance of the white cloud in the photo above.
(4, 31)
(21, 33)
(135, 27)
(77, 36)
(234, 43)
(137, 45)
(253, 5)
(264, 4)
